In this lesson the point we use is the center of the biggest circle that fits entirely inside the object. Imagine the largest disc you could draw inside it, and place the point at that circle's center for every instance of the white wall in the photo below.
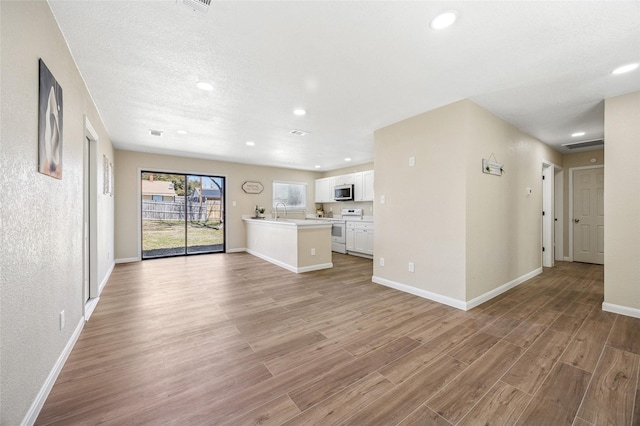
(622, 205)
(127, 194)
(504, 224)
(423, 217)
(42, 217)
(468, 233)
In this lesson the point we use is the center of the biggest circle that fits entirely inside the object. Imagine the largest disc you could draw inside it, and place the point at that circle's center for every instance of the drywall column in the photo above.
(622, 205)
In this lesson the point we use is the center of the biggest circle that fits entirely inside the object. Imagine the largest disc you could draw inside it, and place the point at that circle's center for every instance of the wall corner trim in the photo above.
(450, 301)
(465, 306)
(498, 291)
(622, 310)
(32, 415)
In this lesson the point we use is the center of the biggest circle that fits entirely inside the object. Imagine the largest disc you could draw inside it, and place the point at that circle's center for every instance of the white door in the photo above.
(588, 215)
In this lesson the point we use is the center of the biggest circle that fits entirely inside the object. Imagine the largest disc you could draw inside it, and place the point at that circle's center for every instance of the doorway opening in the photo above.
(551, 210)
(182, 214)
(90, 288)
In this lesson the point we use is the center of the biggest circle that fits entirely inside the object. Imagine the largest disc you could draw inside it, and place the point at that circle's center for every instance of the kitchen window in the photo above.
(292, 194)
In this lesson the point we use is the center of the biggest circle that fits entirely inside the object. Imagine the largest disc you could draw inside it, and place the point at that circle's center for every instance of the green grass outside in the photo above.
(162, 234)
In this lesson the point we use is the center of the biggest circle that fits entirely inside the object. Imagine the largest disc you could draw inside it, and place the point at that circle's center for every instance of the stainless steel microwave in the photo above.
(343, 193)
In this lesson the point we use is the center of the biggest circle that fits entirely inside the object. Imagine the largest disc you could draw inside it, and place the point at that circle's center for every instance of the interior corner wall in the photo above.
(422, 218)
(622, 204)
(42, 217)
(503, 222)
(129, 164)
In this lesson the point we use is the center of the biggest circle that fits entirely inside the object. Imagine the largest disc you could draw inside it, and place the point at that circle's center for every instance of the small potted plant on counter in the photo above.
(258, 212)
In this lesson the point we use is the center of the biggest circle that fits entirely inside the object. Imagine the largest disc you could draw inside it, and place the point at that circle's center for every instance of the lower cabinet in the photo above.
(360, 237)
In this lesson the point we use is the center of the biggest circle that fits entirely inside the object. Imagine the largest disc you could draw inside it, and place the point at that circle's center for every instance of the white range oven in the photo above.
(339, 230)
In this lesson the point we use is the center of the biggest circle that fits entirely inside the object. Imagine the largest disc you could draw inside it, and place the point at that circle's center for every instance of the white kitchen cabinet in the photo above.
(363, 187)
(344, 179)
(350, 237)
(360, 237)
(324, 190)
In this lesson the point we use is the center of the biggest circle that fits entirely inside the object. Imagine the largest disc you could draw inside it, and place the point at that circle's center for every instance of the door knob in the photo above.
(576, 220)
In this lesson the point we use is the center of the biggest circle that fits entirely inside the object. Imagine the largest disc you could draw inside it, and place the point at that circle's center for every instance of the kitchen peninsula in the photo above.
(296, 245)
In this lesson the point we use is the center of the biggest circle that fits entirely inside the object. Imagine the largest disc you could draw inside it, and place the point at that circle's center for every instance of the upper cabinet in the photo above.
(344, 179)
(324, 190)
(362, 186)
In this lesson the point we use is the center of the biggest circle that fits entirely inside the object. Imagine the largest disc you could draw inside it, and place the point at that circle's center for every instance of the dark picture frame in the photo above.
(50, 113)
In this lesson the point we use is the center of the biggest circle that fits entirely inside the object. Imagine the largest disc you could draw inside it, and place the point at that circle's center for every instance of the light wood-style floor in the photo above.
(230, 339)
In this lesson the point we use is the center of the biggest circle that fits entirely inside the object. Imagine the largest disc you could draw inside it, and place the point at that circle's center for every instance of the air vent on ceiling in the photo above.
(199, 5)
(153, 132)
(585, 144)
(298, 132)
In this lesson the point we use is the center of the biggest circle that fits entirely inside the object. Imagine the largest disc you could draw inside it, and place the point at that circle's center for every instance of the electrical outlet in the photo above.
(313, 252)
(382, 261)
(412, 161)
(233, 203)
(62, 320)
(411, 267)
(382, 199)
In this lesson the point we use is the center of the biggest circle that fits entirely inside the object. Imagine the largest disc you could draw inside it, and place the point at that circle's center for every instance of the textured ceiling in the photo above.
(354, 67)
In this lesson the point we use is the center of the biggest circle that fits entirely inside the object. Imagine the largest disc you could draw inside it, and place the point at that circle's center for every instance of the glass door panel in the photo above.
(205, 227)
(181, 214)
(163, 215)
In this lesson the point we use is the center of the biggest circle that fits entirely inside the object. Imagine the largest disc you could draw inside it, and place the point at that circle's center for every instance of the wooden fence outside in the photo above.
(209, 210)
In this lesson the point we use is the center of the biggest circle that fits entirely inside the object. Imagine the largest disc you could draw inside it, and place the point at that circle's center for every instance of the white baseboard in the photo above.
(36, 406)
(89, 307)
(317, 267)
(128, 260)
(236, 250)
(622, 310)
(498, 291)
(106, 278)
(420, 292)
(291, 267)
(459, 304)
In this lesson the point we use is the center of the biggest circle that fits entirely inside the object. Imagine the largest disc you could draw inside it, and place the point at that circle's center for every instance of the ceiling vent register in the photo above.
(199, 5)
(585, 144)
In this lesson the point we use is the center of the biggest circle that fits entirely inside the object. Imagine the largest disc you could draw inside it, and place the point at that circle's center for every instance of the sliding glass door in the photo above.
(181, 214)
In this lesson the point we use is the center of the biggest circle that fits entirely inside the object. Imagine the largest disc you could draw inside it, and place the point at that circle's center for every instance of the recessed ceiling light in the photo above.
(576, 134)
(625, 68)
(347, 159)
(299, 112)
(204, 85)
(317, 166)
(443, 20)
(250, 143)
(298, 132)
(181, 132)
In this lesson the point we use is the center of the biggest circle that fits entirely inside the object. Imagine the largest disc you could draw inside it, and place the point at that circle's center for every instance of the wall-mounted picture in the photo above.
(107, 180)
(49, 124)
